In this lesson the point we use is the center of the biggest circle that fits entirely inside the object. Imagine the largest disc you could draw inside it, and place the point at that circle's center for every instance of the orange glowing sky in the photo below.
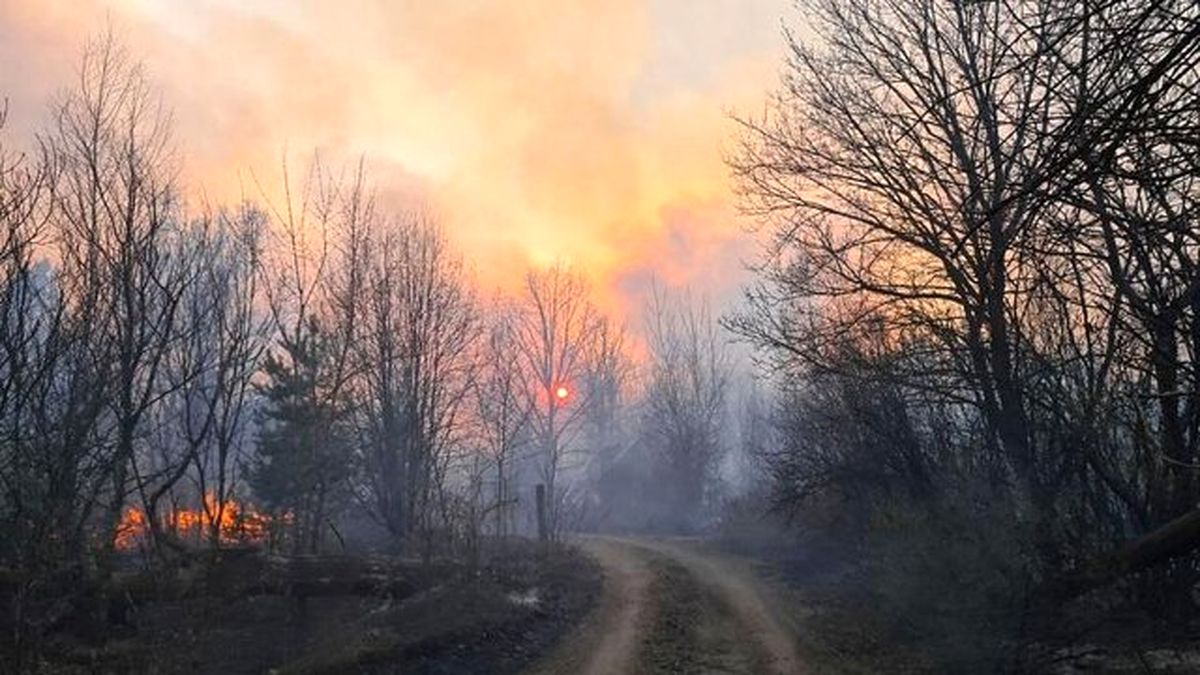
(591, 131)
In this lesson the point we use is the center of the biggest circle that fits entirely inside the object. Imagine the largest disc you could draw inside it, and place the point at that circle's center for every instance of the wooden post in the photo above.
(541, 513)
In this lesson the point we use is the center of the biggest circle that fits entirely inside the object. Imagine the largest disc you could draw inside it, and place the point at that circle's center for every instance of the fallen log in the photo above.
(1177, 538)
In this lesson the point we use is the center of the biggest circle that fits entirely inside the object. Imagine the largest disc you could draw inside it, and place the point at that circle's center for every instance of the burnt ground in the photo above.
(841, 629)
(444, 618)
(839, 624)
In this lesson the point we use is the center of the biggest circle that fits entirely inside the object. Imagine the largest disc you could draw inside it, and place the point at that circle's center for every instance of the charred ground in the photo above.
(245, 612)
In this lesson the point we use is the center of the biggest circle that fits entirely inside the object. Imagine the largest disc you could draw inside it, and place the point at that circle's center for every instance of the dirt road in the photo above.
(670, 606)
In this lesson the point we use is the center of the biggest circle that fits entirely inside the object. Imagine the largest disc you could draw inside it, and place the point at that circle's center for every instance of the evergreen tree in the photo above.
(301, 466)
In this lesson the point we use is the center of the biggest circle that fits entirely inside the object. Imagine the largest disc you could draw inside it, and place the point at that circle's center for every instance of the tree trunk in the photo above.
(1178, 537)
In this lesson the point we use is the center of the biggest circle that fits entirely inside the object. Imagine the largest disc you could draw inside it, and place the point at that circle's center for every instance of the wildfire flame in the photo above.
(237, 523)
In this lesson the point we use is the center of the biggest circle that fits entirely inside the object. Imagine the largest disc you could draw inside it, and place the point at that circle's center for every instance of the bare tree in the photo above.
(124, 270)
(415, 325)
(556, 332)
(685, 398)
(980, 278)
(607, 374)
(211, 369)
(502, 410)
(238, 341)
(52, 467)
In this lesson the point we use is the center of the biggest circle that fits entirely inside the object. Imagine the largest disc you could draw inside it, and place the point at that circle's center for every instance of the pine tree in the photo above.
(301, 464)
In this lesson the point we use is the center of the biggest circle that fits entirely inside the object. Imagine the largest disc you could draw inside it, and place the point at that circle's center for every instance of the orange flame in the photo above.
(236, 524)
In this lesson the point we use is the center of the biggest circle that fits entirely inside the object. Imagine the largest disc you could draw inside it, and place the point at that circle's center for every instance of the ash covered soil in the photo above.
(439, 618)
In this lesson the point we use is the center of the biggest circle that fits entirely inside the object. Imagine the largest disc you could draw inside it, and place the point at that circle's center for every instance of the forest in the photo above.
(952, 424)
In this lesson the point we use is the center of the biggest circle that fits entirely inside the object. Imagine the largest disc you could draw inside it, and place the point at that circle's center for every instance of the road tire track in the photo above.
(607, 642)
(667, 607)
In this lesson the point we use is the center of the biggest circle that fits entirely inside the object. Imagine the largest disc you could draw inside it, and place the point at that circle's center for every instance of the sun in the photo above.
(562, 393)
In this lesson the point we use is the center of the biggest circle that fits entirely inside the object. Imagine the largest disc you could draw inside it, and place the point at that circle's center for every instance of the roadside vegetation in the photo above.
(978, 308)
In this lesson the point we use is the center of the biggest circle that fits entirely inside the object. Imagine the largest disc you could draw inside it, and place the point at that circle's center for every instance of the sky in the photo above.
(588, 131)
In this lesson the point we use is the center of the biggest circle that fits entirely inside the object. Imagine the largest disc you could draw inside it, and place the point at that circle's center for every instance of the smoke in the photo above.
(588, 131)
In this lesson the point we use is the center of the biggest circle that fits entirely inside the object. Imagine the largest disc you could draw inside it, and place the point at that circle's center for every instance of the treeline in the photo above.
(176, 376)
(981, 302)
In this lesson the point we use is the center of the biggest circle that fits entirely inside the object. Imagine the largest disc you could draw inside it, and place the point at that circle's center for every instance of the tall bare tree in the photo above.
(123, 268)
(211, 367)
(556, 334)
(415, 327)
(685, 399)
(502, 409)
